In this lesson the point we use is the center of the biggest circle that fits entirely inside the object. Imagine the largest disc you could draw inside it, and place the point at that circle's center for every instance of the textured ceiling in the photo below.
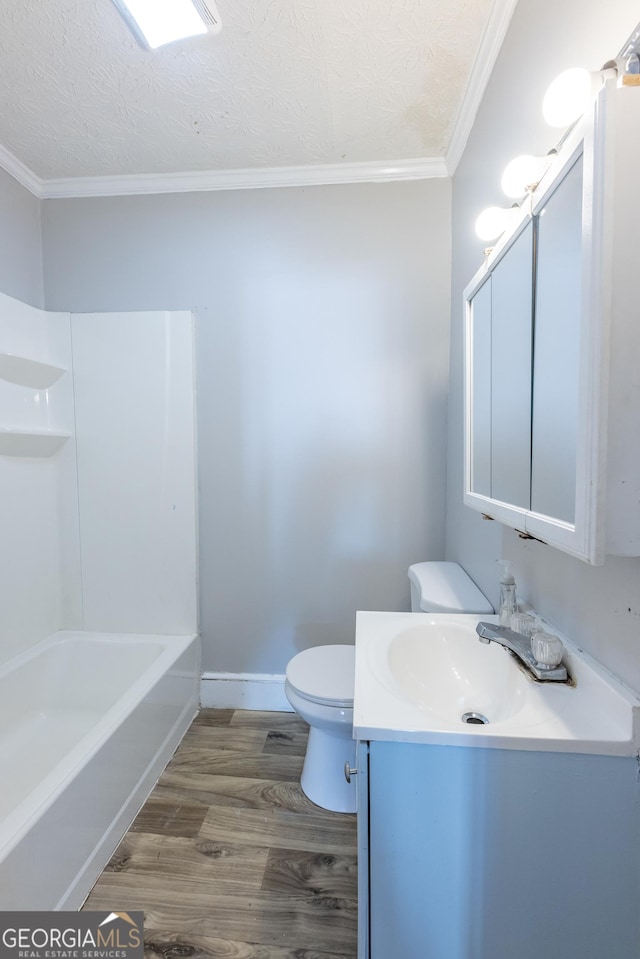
(287, 82)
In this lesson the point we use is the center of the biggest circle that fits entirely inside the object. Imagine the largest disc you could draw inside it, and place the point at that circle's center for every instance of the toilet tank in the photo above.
(445, 588)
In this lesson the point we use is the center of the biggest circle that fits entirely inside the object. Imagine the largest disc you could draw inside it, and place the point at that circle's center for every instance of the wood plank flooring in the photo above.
(228, 859)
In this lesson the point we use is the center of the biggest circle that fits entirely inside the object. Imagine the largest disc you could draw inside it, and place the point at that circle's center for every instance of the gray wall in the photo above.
(20, 242)
(598, 606)
(322, 360)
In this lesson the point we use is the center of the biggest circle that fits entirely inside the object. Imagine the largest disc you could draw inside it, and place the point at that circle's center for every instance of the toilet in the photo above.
(320, 683)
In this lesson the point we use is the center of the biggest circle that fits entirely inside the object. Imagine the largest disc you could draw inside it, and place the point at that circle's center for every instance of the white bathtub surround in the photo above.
(135, 422)
(38, 495)
(88, 722)
(98, 520)
(244, 691)
(98, 532)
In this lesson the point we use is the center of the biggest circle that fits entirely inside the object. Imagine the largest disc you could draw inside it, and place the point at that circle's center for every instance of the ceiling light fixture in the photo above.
(157, 22)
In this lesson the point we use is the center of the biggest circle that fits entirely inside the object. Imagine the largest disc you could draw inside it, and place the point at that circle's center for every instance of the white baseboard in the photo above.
(244, 691)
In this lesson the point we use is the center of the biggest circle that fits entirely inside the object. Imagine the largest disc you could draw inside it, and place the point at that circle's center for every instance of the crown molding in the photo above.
(492, 39)
(250, 179)
(376, 171)
(20, 172)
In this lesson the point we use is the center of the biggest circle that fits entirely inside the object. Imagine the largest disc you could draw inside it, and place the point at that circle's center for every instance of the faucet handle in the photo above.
(547, 649)
(524, 623)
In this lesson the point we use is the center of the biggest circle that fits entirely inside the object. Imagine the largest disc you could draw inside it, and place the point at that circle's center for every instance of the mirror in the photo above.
(501, 377)
(511, 297)
(481, 390)
(558, 311)
(524, 324)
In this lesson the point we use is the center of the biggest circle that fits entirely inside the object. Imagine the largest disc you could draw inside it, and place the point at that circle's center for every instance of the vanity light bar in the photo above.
(564, 103)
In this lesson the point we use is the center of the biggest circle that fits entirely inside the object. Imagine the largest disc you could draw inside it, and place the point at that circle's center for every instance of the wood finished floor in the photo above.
(228, 859)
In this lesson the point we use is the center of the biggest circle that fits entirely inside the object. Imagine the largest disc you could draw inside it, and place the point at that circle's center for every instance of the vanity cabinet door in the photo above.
(469, 846)
(420, 826)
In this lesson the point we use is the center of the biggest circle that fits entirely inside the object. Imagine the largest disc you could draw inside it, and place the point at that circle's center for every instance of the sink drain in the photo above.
(474, 719)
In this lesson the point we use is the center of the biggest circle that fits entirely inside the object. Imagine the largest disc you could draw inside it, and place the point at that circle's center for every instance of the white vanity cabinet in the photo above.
(479, 853)
(553, 349)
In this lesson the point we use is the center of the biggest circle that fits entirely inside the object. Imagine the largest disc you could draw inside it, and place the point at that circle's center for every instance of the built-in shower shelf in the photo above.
(34, 443)
(26, 372)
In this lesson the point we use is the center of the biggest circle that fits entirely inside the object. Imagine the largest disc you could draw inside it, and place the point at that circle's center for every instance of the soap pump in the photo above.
(508, 603)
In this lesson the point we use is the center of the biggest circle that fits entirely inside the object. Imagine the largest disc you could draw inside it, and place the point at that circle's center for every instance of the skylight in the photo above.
(156, 22)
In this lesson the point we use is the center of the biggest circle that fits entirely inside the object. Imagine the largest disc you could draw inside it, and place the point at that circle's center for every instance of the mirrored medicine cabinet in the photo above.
(552, 343)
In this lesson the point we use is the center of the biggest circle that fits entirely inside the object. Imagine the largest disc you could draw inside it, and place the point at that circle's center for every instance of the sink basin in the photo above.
(428, 679)
(442, 670)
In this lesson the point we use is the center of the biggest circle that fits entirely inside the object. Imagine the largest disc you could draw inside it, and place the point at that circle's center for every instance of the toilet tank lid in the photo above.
(445, 588)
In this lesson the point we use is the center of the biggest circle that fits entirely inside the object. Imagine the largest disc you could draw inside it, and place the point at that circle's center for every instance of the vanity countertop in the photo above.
(419, 675)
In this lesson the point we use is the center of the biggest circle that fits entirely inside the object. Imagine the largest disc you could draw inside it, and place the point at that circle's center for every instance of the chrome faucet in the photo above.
(521, 646)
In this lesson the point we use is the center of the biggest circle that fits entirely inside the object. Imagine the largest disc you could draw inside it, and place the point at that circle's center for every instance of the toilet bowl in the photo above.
(319, 685)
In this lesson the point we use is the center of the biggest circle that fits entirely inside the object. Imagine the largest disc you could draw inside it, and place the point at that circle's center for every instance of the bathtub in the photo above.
(87, 723)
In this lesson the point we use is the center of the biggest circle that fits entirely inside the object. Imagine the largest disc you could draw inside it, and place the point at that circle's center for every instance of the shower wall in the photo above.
(39, 546)
(135, 428)
(97, 474)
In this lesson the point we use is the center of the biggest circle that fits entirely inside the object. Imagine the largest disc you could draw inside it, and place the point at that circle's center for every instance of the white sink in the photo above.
(427, 678)
(439, 668)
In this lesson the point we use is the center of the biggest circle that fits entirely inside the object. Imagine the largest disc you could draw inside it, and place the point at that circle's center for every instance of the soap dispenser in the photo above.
(508, 603)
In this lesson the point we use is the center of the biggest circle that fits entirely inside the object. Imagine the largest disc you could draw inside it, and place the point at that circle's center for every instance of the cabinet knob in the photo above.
(349, 772)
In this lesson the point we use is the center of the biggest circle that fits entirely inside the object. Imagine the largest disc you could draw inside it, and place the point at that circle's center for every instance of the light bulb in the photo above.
(492, 222)
(523, 174)
(568, 96)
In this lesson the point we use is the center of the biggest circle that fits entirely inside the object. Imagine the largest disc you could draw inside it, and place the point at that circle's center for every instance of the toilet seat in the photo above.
(324, 674)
